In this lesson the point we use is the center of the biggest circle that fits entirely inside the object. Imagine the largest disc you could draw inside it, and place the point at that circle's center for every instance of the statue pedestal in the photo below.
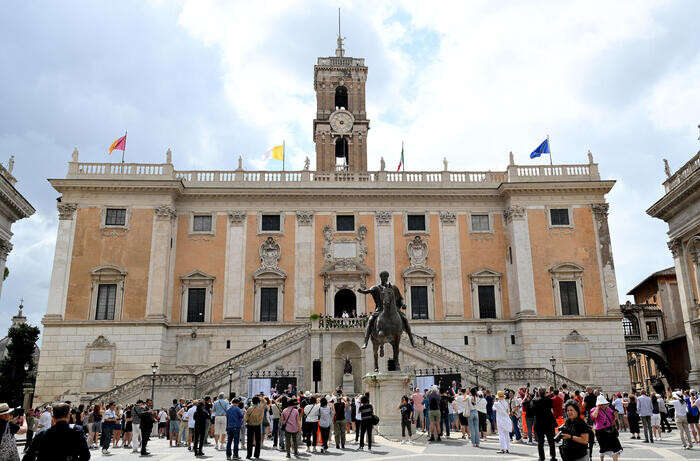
(385, 391)
(348, 384)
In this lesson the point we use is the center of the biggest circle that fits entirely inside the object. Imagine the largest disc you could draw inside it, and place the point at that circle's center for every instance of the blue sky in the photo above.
(469, 81)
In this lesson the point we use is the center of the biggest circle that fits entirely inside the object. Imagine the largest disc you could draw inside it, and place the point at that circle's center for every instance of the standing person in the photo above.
(417, 398)
(276, 412)
(529, 416)
(575, 436)
(136, 427)
(434, 413)
(173, 415)
(253, 419)
(234, 421)
(645, 411)
(108, 421)
(633, 417)
(481, 410)
(324, 423)
(219, 408)
(589, 403)
(45, 419)
(32, 424)
(544, 423)
(146, 426)
(291, 421)
(162, 423)
(367, 414)
(604, 419)
(188, 418)
(60, 441)
(201, 416)
(503, 421)
(459, 404)
(472, 416)
(489, 411)
(619, 406)
(663, 411)
(128, 427)
(681, 417)
(516, 412)
(445, 404)
(9, 426)
(655, 416)
(96, 426)
(118, 425)
(339, 424)
(693, 414)
(406, 414)
(311, 411)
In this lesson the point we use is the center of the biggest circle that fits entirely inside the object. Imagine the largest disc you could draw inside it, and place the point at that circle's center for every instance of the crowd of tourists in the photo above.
(289, 421)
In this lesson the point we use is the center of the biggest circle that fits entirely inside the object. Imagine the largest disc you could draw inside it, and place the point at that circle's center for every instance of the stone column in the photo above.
(304, 265)
(384, 245)
(451, 266)
(159, 262)
(687, 307)
(5, 248)
(234, 279)
(58, 287)
(606, 266)
(518, 231)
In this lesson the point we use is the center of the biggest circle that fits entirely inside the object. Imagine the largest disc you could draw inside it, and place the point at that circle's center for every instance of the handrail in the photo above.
(683, 172)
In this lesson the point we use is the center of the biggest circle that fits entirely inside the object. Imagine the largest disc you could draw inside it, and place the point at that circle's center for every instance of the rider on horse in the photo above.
(376, 292)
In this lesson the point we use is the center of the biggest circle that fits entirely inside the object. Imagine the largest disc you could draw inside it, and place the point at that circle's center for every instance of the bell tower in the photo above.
(341, 125)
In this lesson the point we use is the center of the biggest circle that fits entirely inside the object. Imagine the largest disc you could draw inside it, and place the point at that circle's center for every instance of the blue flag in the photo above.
(541, 149)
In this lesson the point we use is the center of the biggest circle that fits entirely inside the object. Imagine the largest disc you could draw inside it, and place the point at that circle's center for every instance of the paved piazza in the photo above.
(667, 449)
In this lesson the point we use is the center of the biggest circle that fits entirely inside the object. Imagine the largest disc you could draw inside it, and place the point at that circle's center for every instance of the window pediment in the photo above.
(108, 269)
(485, 273)
(269, 273)
(418, 271)
(197, 275)
(566, 268)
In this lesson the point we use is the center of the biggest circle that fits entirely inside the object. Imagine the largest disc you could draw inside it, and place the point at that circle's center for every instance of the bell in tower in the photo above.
(341, 125)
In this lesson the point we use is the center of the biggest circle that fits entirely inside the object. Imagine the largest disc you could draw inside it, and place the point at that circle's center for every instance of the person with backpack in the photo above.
(324, 423)
(174, 423)
(368, 420)
(311, 412)
(219, 409)
(291, 422)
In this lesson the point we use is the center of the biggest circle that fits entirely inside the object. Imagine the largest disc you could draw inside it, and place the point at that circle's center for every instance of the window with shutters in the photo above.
(115, 217)
(268, 304)
(419, 302)
(106, 301)
(559, 217)
(487, 302)
(416, 223)
(196, 304)
(569, 298)
(345, 223)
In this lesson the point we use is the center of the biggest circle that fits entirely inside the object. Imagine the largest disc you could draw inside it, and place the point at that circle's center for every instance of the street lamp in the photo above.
(553, 362)
(230, 378)
(154, 367)
(475, 371)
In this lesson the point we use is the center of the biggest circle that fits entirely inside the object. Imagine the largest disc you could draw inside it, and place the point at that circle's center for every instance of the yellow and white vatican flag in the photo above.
(276, 153)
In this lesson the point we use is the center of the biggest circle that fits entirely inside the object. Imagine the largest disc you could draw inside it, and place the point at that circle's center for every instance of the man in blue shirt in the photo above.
(219, 409)
(645, 409)
(234, 421)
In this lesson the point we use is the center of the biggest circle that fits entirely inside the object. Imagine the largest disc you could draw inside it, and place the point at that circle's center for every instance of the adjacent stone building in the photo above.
(680, 208)
(242, 279)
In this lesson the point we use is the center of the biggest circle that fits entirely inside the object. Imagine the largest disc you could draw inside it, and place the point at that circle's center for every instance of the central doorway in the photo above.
(345, 301)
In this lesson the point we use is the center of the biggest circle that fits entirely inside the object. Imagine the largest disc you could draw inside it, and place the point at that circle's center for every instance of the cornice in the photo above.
(674, 199)
(530, 188)
(14, 200)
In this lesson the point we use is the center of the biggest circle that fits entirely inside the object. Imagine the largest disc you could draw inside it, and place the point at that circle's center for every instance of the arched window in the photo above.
(630, 326)
(341, 98)
(345, 301)
(341, 154)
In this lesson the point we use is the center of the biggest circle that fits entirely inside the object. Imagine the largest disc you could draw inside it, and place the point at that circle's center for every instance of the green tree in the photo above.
(19, 352)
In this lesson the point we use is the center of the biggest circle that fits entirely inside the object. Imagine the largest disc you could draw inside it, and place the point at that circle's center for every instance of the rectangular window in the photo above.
(569, 298)
(510, 255)
(559, 216)
(487, 302)
(466, 340)
(651, 329)
(196, 298)
(270, 223)
(201, 223)
(345, 223)
(268, 304)
(416, 222)
(106, 301)
(419, 302)
(480, 222)
(115, 217)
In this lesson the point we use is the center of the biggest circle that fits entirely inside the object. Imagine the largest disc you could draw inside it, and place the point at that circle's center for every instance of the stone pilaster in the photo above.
(58, 287)
(235, 265)
(304, 265)
(159, 263)
(5, 248)
(451, 266)
(518, 231)
(687, 309)
(606, 266)
(384, 245)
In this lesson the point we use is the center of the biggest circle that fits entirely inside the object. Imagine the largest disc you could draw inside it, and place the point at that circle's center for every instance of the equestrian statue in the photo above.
(387, 323)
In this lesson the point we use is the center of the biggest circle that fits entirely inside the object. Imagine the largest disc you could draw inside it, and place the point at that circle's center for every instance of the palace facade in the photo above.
(237, 279)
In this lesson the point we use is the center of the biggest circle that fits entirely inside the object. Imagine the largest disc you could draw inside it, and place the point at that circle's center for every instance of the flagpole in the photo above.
(550, 152)
(283, 152)
(124, 150)
(403, 158)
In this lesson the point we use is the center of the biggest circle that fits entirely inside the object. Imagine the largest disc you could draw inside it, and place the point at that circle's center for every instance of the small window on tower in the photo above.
(341, 98)
(341, 154)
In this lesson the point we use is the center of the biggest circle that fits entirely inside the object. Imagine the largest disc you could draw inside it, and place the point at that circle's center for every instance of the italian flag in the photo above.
(401, 161)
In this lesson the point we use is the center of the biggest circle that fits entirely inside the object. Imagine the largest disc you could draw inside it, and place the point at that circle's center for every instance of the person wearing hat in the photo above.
(503, 421)
(603, 417)
(9, 426)
(681, 416)
(61, 441)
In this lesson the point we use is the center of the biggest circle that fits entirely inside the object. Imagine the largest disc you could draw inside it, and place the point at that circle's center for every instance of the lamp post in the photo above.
(553, 362)
(230, 379)
(154, 367)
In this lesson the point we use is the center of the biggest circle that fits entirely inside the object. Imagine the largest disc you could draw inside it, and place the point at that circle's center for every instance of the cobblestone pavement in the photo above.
(453, 448)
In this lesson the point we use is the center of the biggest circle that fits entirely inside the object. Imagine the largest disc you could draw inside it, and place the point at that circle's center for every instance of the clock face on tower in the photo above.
(341, 121)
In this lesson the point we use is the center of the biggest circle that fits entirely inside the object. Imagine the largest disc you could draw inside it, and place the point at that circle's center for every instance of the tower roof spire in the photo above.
(339, 52)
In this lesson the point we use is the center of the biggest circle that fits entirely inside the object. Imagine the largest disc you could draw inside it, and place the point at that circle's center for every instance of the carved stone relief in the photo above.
(270, 253)
(383, 218)
(448, 217)
(513, 212)
(236, 217)
(66, 210)
(305, 217)
(165, 212)
(417, 250)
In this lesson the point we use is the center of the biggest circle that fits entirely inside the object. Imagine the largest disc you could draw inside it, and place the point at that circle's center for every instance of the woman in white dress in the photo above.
(503, 421)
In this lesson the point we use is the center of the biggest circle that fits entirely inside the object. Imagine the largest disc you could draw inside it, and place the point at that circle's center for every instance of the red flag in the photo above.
(119, 144)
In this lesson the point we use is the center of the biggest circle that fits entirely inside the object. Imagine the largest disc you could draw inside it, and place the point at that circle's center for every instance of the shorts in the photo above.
(463, 421)
(220, 425)
(117, 427)
(693, 419)
(434, 416)
(655, 419)
(161, 425)
(175, 427)
(97, 427)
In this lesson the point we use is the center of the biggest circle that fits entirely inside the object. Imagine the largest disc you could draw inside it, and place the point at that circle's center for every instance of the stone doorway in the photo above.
(352, 351)
(345, 301)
